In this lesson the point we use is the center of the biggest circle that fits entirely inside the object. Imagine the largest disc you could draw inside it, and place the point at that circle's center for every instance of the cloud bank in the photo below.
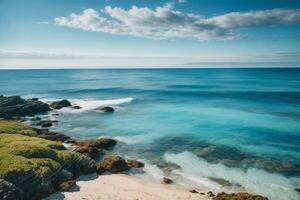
(165, 22)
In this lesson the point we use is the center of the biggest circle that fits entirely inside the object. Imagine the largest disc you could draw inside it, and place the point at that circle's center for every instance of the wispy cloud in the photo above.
(39, 55)
(165, 22)
(42, 23)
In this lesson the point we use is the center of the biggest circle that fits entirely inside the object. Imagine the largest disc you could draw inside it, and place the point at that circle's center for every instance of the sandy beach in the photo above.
(124, 187)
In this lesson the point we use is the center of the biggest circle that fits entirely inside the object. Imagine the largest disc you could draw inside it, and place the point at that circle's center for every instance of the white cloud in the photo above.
(165, 22)
(182, 1)
(4, 54)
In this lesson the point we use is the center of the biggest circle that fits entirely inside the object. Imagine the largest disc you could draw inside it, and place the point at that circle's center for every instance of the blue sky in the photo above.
(117, 33)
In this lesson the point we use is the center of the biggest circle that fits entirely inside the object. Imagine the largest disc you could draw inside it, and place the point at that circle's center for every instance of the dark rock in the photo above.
(11, 101)
(167, 180)
(8, 191)
(60, 104)
(297, 190)
(113, 164)
(36, 119)
(44, 123)
(34, 99)
(193, 191)
(79, 164)
(16, 106)
(53, 136)
(135, 164)
(210, 194)
(238, 196)
(76, 107)
(102, 143)
(106, 109)
(65, 186)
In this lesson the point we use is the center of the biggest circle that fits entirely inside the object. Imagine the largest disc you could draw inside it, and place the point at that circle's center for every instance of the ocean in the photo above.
(218, 129)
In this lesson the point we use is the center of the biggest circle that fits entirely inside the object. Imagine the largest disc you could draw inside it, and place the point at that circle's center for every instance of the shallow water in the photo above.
(240, 125)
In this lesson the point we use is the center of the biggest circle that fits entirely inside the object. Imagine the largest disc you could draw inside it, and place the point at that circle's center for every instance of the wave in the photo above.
(274, 186)
(93, 104)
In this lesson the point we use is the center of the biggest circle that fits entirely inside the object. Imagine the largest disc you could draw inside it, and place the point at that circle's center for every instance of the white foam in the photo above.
(92, 104)
(274, 186)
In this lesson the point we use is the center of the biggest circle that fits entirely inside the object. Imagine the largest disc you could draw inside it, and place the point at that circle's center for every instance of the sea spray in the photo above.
(274, 186)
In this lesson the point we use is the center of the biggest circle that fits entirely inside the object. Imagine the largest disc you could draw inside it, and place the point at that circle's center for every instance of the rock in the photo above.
(106, 109)
(65, 186)
(135, 164)
(60, 104)
(53, 136)
(8, 191)
(15, 106)
(297, 190)
(238, 196)
(102, 143)
(193, 191)
(92, 152)
(44, 123)
(113, 164)
(210, 194)
(167, 180)
(221, 181)
(76, 107)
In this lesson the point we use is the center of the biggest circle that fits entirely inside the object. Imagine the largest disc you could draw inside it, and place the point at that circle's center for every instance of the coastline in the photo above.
(125, 187)
(60, 168)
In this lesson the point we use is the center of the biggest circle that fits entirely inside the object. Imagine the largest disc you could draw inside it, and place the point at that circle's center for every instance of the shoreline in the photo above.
(125, 187)
(74, 164)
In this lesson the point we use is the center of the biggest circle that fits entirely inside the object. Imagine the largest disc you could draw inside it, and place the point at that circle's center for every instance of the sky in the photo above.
(149, 33)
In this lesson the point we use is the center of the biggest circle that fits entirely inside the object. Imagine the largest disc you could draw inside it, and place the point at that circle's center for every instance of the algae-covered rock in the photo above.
(35, 165)
(14, 127)
(238, 196)
(135, 164)
(113, 164)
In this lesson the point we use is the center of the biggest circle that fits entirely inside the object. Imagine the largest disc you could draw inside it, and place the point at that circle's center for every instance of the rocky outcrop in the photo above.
(238, 196)
(8, 191)
(15, 106)
(60, 104)
(112, 164)
(101, 143)
(107, 109)
(92, 152)
(135, 164)
(53, 136)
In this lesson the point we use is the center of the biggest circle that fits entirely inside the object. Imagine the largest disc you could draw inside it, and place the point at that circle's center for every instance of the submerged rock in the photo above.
(167, 180)
(8, 191)
(15, 106)
(238, 196)
(135, 164)
(60, 104)
(113, 164)
(106, 109)
(193, 191)
(76, 107)
(221, 181)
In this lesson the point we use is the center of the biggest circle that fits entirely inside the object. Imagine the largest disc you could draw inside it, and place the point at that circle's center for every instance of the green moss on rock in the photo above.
(14, 127)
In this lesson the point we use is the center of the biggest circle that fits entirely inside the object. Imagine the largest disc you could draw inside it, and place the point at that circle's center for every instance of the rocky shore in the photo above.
(36, 162)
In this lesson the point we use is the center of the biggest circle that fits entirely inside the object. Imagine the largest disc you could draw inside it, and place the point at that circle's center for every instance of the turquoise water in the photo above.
(240, 125)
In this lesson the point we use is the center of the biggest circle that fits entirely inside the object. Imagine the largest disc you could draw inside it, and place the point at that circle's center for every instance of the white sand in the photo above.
(124, 187)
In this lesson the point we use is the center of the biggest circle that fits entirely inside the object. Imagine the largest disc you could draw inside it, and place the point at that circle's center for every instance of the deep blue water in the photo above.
(241, 125)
